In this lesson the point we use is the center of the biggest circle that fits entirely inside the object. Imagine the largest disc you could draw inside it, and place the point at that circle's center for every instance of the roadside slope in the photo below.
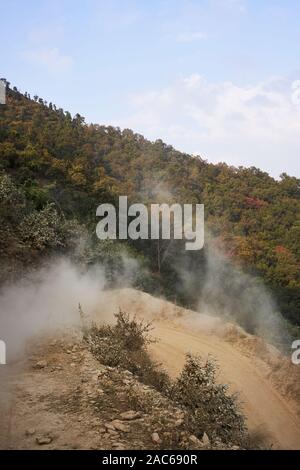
(181, 331)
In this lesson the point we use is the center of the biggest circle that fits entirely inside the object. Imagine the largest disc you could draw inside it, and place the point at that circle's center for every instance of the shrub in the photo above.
(12, 201)
(40, 229)
(210, 408)
(124, 345)
(48, 229)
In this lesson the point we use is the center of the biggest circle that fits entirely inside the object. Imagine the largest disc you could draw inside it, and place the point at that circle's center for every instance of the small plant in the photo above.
(210, 408)
(125, 345)
(139, 402)
(134, 334)
(85, 323)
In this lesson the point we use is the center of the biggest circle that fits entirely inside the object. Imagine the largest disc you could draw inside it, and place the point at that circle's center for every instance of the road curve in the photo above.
(262, 404)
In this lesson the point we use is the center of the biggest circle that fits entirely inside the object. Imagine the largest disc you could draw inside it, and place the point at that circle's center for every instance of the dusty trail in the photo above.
(263, 405)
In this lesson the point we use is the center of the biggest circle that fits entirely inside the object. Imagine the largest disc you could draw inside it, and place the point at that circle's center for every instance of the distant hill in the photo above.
(56, 169)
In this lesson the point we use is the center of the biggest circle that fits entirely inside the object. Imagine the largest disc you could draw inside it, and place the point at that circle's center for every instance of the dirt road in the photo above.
(262, 403)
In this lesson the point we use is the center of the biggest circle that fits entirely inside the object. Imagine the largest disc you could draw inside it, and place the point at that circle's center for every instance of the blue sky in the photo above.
(218, 78)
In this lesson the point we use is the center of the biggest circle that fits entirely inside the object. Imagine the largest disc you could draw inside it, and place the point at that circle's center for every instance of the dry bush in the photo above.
(138, 401)
(210, 408)
(124, 345)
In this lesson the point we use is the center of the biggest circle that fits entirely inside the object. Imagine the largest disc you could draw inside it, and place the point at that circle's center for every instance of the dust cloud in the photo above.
(233, 295)
(47, 301)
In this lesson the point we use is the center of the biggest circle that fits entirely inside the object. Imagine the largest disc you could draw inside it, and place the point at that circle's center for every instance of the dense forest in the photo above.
(55, 170)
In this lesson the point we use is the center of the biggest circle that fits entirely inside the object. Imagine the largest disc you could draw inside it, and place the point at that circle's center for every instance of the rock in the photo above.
(109, 426)
(235, 448)
(30, 432)
(155, 438)
(40, 364)
(43, 440)
(119, 426)
(130, 415)
(205, 440)
(194, 440)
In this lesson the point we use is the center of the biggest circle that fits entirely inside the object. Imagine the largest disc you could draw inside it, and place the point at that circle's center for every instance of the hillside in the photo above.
(56, 170)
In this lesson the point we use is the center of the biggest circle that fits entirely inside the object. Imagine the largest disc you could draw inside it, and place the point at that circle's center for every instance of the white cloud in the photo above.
(191, 36)
(51, 58)
(243, 125)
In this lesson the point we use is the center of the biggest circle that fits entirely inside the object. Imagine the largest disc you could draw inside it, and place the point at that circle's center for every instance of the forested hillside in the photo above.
(56, 170)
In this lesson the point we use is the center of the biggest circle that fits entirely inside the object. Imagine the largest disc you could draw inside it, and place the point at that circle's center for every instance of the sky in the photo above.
(215, 78)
